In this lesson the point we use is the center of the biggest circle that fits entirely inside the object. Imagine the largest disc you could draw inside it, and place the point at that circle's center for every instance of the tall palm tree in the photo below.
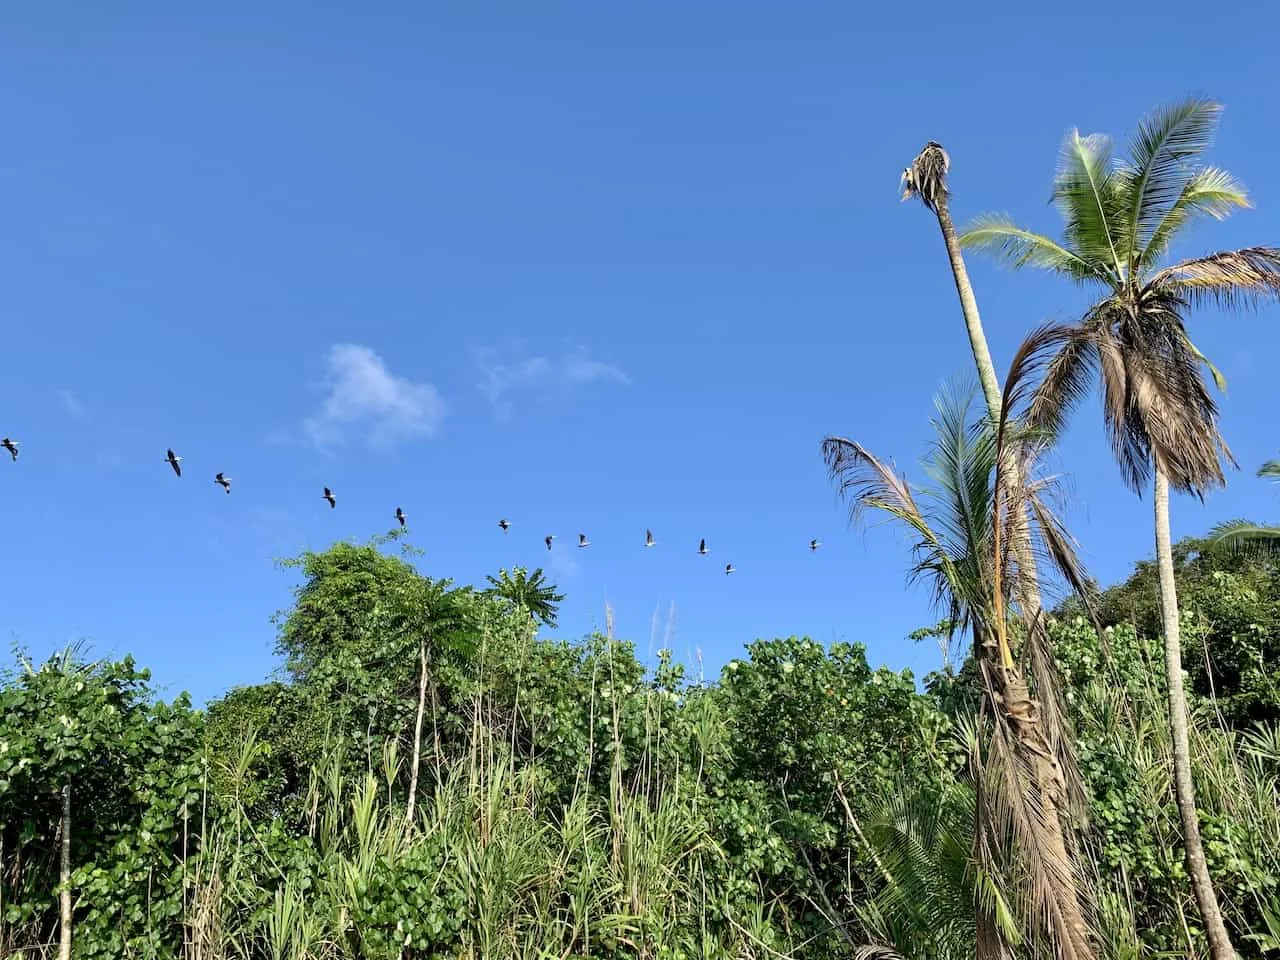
(530, 592)
(926, 178)
(969, 532)
(1120, 218)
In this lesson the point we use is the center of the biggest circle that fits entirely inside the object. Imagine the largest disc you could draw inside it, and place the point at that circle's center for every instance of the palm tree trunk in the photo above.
(1183, 787)
(417, 732)
(969, 307)
(1023, 717)
(64, 878)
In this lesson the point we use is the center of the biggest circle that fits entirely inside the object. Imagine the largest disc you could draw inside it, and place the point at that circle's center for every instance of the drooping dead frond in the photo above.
(1023, 799)
(1230, 279)
(926, 178)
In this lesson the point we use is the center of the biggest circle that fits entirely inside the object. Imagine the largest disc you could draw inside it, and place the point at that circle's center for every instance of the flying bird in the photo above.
(547, 539)
(504, 525)
(400, 515)
(815, 544)
(222, 480)
(648, 538)
(728, 569)
(11, 446)
(328, 495)
(172, 459)
(702, 546)
(583, 541)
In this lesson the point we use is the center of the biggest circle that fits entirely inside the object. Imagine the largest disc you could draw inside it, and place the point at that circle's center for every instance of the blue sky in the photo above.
(594, 267)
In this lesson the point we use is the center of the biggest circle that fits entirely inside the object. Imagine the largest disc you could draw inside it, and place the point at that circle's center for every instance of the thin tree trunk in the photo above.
(1183, 787)
(969, 307)
(64, 878)
(417, 731)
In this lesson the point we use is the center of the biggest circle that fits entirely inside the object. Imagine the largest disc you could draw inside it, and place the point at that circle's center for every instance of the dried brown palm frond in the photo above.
(1156, 404)
(1232, 278)
(926, 178)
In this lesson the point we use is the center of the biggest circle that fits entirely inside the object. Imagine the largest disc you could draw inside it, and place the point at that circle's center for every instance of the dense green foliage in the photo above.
(573, 803)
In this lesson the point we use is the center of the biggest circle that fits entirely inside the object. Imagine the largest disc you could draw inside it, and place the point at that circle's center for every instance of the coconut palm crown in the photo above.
(1120, 217)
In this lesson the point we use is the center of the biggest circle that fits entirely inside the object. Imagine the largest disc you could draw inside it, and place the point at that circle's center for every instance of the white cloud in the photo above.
(364, 394)
(510, 369)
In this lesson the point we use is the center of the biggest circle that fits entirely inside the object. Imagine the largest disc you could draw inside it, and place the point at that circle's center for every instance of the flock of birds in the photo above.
(222, 480)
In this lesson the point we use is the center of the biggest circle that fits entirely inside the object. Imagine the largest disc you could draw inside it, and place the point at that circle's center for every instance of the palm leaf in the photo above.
(1160, 153)
(1211, 192)
(1242, 536)
(1270, 469)
(997, 234)
(1085, 192)
(926, 178)
(1231, 278)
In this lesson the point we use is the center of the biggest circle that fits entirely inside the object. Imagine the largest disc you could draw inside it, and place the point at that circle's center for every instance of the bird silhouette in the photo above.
(172, 459)
(648, 538)
(11, 446)
(504, 525)
(728, 569)
(583, 541)
(222, 480)
(702, 546)
(547, 539)
(815, 544)
(328, 495)
(400, 515)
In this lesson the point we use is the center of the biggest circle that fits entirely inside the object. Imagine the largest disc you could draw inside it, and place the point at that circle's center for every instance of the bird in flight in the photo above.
(504, 525)
(328, 495)
(547, 539)
(222, 480)
(648, 538)
(400, 515)
(11, 446)
(583, 541)
(702, 546)
(728, 569)
(815, 544)
(172, 459)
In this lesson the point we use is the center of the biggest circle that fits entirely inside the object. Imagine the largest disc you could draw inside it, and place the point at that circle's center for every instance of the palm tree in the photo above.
(925, 906)
(968, 534)
(1120, 219)
(926, 178)
(528, 591)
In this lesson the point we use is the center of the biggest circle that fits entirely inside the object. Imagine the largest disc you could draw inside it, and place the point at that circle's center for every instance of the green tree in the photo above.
(966, 534)
(1120, 218)
(529, 592)
(133, 770)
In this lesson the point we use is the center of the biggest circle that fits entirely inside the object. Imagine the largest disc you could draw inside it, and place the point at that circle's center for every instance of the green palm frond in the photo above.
(1086, 193)
(997, 234)
(1270, 469)
(1210, 192)
(1243, 536)
(1155, 174)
